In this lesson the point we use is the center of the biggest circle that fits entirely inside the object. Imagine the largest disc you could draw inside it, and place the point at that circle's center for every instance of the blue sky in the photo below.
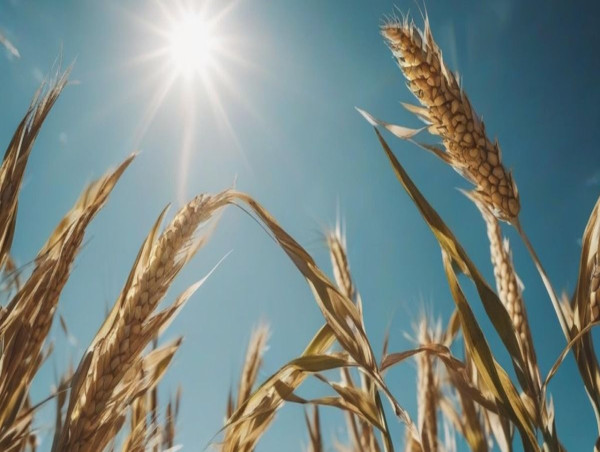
(294, 141)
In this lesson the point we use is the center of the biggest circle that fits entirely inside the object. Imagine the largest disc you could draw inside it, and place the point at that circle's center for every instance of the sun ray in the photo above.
(223, 120)
(152, 108)
(189, 121)
(193, 48)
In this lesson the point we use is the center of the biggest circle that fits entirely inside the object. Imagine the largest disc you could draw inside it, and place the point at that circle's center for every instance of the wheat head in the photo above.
(427, 389)
(508, 284)
(131, 326)
(450, 114)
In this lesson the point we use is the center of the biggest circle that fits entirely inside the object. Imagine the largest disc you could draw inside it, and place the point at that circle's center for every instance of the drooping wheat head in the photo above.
(447, 109)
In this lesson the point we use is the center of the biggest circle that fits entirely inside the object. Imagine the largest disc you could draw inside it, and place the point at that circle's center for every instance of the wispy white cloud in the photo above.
(11, 50)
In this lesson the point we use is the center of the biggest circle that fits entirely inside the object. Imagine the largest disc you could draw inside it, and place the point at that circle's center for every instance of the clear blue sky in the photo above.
(295, 142)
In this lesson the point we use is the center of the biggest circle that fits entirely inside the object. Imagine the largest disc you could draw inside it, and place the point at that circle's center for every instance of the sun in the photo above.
(192, 45)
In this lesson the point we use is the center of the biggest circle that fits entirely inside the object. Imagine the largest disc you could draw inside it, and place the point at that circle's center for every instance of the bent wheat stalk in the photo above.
(449, 114)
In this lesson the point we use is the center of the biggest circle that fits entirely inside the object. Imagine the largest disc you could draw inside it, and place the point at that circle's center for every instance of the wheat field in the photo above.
(479, 383)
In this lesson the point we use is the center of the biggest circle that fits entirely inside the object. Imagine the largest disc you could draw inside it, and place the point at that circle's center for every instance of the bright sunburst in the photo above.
(191, 50)
(192, 45)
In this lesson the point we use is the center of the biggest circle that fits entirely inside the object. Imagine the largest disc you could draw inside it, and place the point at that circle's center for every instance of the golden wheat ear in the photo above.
(447, 112)
(427, 387)
(510, 289)
(103, 387)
